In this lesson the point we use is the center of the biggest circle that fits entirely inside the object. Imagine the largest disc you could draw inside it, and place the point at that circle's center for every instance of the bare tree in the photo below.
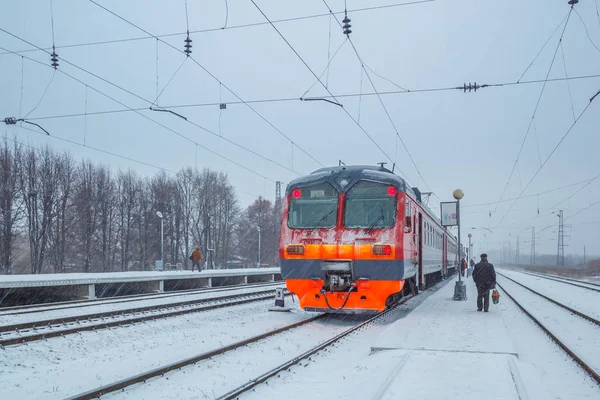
(10, 204)
(38, 186)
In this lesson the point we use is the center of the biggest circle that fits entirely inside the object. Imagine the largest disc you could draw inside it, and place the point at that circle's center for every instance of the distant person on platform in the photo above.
(484, 276)
(196, 258)
(463, 266)
(472, 263)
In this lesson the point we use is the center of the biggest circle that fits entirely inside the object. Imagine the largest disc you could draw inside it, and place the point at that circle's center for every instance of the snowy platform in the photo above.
(435, 348)
(450, 340)
(69, 286)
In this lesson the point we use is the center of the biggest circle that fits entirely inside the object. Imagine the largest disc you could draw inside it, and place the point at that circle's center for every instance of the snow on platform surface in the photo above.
(442, 350)
(7, 281)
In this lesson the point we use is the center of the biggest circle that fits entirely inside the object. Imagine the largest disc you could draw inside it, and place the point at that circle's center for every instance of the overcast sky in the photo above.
(457, 140)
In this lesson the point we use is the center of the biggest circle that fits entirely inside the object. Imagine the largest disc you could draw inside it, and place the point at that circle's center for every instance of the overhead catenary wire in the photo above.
(562, 52)
(543, 46)
(220, 28)
(585, 183)
(399, 137)
(326, 70)
(156, 122)
(537, 104)
(103, 151)
(323, 84)
(150, 102)
(213, 77)
(587, 32)
(547, 159)
(342, 95)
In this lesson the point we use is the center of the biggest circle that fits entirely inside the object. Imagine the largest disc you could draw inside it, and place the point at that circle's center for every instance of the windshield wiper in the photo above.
(323, 218)
(379, 218)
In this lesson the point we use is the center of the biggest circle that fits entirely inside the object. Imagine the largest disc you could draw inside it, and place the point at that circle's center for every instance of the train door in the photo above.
(420, 276)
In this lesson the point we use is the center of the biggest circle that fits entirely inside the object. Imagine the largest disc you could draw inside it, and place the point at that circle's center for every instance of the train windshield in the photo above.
(313, 207)
(370, 205)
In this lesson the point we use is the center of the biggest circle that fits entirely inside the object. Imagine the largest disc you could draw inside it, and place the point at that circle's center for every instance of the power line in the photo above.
(322, 84)
(155, 122)
(381, 101)
(547, 158)
(543, 47)
(296, 99)
(586, 31)
(212, 76)
(241, 26)
(585, 209)
(102, 151)
(586, 182)
(535, 109)
(151, 103)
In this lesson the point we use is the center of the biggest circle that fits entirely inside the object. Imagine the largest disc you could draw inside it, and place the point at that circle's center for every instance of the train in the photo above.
(356, 239)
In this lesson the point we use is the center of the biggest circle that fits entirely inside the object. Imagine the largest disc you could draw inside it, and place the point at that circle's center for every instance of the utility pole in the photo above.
(532, 260)
(584, 261)
(560, 254)
(509, 250)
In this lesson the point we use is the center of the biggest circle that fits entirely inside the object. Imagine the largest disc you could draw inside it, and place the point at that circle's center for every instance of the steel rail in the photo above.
(260, 379)
(104, 325)
(571, 310)
(564, 280)
(124, 383)
(41, 307)
(556, 340)
(106, 314)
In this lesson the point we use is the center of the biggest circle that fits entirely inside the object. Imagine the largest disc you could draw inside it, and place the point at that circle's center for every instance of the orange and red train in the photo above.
(354, 239)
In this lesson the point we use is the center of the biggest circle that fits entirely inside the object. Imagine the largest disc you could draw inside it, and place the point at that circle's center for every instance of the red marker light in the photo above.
(392, 191)
(296, 193)
(382, 249)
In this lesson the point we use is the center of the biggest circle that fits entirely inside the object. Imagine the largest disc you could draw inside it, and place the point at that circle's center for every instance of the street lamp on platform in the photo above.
(162, 246)
(460, 289)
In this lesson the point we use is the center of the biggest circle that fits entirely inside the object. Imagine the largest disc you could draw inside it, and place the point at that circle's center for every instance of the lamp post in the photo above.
(460, 289)
(470, 252)
(162, 247)
(258, 229)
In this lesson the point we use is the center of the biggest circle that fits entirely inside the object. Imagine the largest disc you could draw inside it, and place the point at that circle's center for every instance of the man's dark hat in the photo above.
(483, 255)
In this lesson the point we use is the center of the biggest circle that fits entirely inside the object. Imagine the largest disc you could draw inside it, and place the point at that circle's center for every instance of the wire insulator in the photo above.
(54, 58)
(573, 2)
(188, 45)
(10, 121)
(346, 28)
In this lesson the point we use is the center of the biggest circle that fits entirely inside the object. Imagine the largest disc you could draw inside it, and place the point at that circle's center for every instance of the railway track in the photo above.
(571, 310)
(553, 335)
(38, 330)
(66, 305)
(573, 282)
(143, 377)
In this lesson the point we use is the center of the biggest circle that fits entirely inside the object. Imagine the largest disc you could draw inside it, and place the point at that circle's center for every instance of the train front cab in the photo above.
(342, 251)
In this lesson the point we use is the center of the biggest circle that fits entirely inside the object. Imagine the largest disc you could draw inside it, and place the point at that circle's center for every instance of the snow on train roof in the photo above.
(354, 173)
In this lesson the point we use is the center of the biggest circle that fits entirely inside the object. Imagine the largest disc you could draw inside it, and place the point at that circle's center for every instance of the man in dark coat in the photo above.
(484, 276)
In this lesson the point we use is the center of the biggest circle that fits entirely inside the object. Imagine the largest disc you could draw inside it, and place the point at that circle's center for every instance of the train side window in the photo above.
(407, 217)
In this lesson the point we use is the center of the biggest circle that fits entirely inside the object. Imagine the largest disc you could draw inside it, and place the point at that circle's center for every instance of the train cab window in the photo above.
(313, 207)
(370, 205)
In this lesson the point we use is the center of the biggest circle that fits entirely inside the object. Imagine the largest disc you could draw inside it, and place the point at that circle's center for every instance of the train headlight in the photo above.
(295, 249)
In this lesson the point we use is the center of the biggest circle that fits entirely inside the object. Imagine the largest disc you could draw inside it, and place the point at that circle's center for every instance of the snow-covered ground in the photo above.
(443, 350)
(118, 305)
(580, 335)
(580, 299)
(59, 367)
